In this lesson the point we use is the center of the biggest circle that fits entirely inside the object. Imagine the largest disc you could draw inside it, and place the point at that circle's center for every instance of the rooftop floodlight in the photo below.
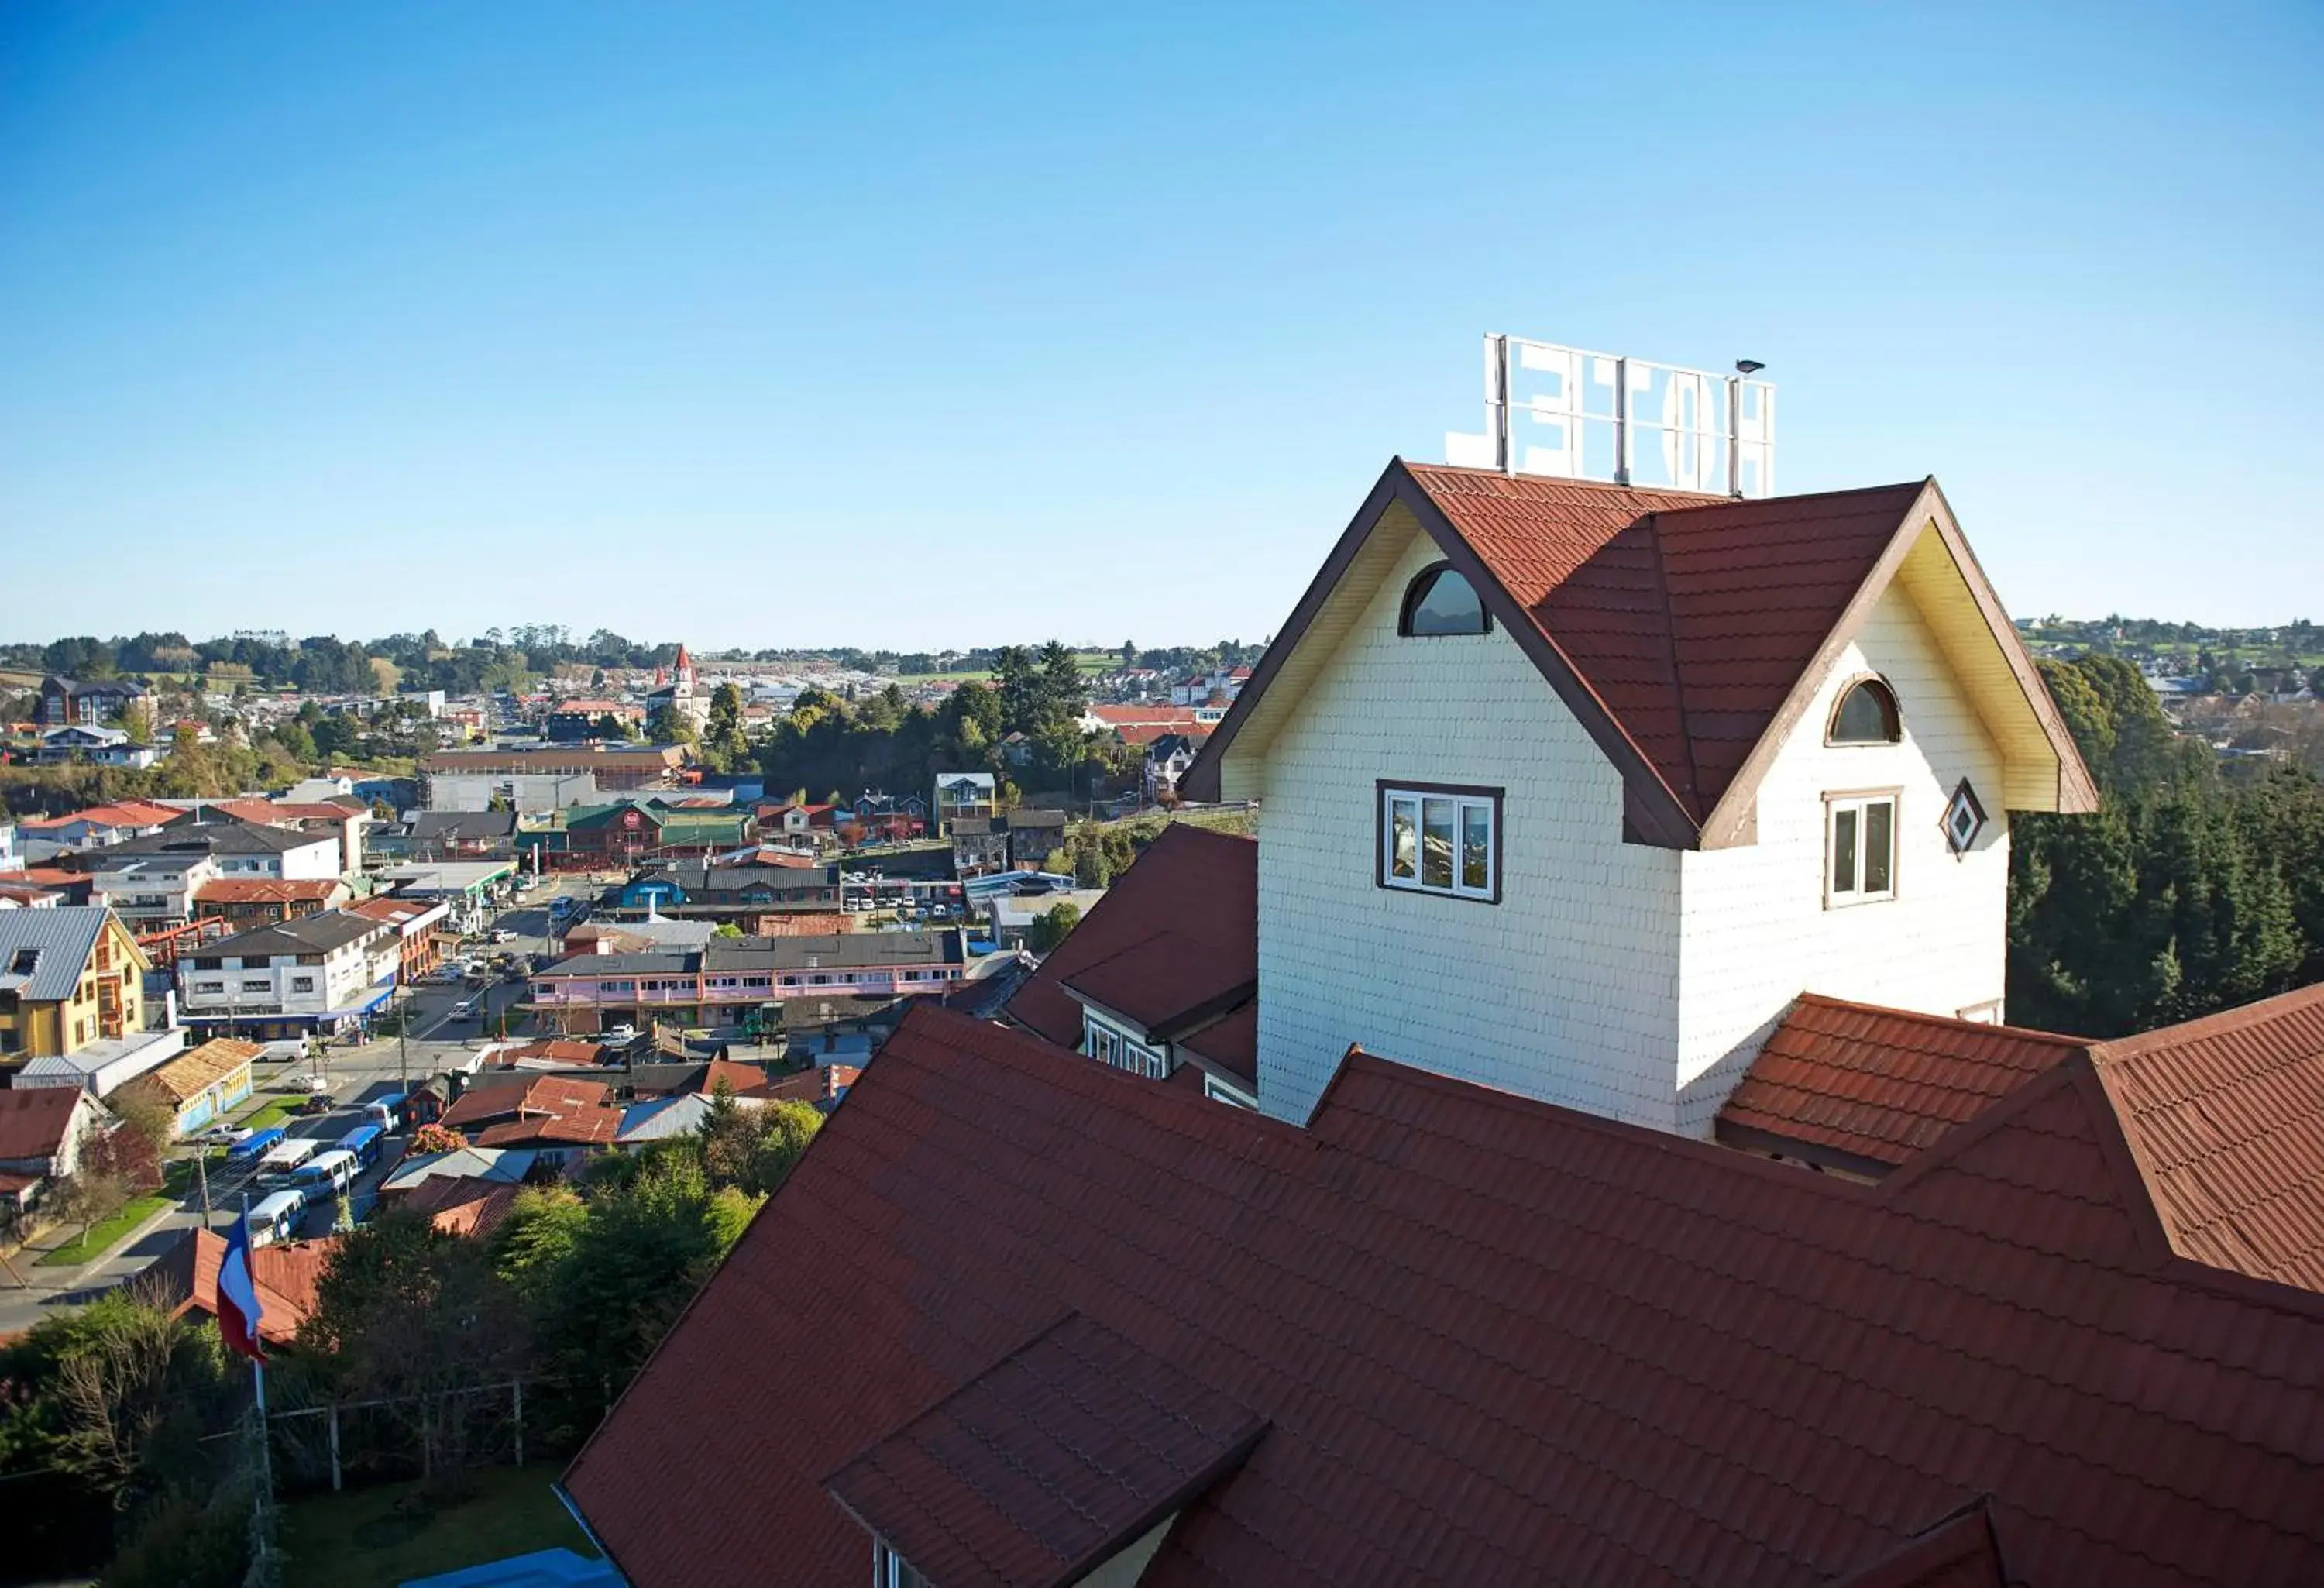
(1748, 366)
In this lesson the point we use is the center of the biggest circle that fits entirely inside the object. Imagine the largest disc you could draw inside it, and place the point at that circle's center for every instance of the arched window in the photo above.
(1439, 601)
(1866, 715)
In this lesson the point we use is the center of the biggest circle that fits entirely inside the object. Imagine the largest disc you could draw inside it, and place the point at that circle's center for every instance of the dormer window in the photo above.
(1439, 601)
(1866, 715)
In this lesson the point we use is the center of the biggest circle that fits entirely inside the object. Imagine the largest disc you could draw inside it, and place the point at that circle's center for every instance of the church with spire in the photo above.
(677, 688)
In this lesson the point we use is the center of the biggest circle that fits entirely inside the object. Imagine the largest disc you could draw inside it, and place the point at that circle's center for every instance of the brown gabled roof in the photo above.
(1863, 1088)
(34, 1120)
(268, 890)
(1192, 887)
(1494, 1340)
(1045, 1464)
(286, 1276)
(462, 1205)
(593, 1125)
(544, 1095)
(2225, 1119)
(1682, 630)
(197, 1068)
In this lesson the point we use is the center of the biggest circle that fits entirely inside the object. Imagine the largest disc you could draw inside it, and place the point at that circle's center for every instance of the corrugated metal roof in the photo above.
(43, 952)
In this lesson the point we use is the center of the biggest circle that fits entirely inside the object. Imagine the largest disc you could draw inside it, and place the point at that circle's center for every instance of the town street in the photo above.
(359, 1073)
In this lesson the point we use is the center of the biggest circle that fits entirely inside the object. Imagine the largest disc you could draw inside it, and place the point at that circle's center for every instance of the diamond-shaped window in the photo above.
(1964, 819)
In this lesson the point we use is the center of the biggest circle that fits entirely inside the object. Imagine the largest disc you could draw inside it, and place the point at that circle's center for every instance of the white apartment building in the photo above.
(149, 891)
(1570, 789)
(324, 974)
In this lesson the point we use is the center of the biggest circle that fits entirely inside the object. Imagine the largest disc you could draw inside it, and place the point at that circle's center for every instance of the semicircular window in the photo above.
(1867, 715)
(1439, 601)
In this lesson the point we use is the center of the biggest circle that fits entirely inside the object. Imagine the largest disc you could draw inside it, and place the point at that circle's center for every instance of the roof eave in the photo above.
(1732, 823)
(1652, 812)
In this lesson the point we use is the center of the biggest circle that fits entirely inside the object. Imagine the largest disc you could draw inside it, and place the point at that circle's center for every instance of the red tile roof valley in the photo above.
(1863, 1088)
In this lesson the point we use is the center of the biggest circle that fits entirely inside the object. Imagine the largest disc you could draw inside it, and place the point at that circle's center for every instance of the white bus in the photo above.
(282, 1160)
(326, 1175)
(277, 1218)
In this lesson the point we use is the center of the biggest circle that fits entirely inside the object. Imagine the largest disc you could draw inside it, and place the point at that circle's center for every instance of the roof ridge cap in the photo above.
(2239, 1018)
(1653, 523)
(2034, 1033)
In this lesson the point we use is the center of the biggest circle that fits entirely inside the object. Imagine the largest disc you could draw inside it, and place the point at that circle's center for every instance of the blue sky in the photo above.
(921, 326)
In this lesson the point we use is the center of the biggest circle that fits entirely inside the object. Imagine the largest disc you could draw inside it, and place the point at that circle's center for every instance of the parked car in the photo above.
(226, 1135)
(622, 1033)
(500, 934)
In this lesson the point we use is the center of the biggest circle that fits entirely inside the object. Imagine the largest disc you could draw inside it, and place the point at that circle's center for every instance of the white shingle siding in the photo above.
(1567, 990)
(1755, 930)
(1629, 980)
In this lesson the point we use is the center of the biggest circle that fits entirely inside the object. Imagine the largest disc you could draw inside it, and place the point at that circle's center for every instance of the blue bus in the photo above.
(250, 1149)
(364, 1142)
(387, 1112)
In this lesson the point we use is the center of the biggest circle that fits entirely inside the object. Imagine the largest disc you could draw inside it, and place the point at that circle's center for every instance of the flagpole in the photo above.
(261, 1522)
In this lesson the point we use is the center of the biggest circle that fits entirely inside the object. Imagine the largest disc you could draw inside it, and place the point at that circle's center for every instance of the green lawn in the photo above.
(102, 1237)
(358, 1539)
(274, 1113)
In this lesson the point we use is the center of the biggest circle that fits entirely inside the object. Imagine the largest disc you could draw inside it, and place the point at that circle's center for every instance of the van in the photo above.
(277, 1218)
(326, 1175)
(387, 1112)
(282, 1161)
(281, 1050)
(364, 1141)
(250, 1149)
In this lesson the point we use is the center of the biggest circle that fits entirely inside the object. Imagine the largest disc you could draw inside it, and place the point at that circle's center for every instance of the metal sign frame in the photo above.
(1715, 434)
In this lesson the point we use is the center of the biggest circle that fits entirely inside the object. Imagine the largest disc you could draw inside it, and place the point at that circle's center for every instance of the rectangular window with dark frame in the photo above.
(1440, 838)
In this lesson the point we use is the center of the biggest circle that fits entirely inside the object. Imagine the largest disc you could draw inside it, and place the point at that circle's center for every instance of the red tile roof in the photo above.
(1495, 1340)
(1230, 1046)
(819, 1086)
(120, 813)
(1864, 1088)
(545, 1094)
(2225, 1120)
(742, 1077)
(1173, 718)
(1047, 1463)
(1169, 980)
(1691, 617)
(461, 1205)
(594, 1125)
(268, 890)
(286, 1276)
(568, 1050)
(1191, 887)
(1147, 732)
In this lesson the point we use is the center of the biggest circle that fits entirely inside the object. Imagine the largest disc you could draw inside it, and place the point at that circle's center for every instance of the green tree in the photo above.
(723, 745)
(417, 1318)
(668, 726)
(1052, 927)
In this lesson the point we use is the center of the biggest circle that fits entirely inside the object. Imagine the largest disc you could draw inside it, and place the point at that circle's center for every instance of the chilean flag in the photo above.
(237, 1296)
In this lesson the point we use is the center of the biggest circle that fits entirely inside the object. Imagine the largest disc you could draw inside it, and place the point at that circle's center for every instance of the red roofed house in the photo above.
(1660, 843)
(42, 1128)
(561, 1117)
(264, 901)
(286, 1274)
(1571, 789)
